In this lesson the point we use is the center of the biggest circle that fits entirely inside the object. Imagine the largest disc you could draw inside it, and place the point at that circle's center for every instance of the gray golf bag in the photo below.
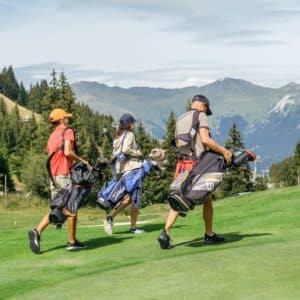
(192, 187)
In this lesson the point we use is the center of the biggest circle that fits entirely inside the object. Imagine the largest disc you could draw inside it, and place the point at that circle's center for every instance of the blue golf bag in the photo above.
(129, 183)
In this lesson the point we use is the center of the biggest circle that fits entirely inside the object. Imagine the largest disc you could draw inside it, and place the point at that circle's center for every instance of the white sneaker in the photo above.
(108, 224)
(136, 231)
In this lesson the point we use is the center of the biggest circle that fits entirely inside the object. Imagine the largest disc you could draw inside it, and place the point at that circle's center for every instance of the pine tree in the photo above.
(3, 124)
(284, 173)
(234, 141)
(28, 133)
(297, 154)
(14, 141)
(14, 127)
(297, 161)
(34, 173)
(1, 82)
(22, 97)
(143, 139)
(4, 164)
(236, 180)
(42, 132)
(10, 87)
(51, 97)
(169, 141)
(106, 147)
(36, 94)
(4, 171)
(156, 186)
(66, 97)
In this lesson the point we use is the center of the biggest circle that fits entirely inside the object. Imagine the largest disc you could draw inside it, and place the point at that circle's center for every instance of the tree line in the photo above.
(23, 140)
(287, 172)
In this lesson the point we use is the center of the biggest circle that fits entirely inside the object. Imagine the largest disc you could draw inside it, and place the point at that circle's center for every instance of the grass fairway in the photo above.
(260, 260)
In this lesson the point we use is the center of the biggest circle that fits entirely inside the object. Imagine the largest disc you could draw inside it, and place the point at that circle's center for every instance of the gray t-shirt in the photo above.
(199, 147)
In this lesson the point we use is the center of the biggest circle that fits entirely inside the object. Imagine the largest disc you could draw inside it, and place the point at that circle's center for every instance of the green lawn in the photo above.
(260, 260)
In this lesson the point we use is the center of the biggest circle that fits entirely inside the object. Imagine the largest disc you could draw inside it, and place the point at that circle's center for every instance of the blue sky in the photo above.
(152, 42)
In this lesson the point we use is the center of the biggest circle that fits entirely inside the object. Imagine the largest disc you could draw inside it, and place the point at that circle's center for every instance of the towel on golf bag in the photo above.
(193, 187)
(129, 183)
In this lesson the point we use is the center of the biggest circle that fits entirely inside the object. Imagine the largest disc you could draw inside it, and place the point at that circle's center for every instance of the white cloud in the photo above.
(153, 42)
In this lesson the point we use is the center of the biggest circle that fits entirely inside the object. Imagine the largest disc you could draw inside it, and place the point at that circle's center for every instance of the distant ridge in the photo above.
(268, 118)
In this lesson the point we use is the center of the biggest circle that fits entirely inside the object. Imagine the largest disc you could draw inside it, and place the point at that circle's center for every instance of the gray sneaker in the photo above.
(34, 241)
(108, 224)
(136, 230)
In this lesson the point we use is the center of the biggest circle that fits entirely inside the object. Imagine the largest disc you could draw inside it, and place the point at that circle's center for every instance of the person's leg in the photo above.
(133, 216)
(72, 222)
(171, 219)
(134, 211)
(61, 181)
(45, 221)
(34, 235)
(208, 213)
(123, 204)
(43, 224)
(108, 220)
(73, 243)
(164, 238)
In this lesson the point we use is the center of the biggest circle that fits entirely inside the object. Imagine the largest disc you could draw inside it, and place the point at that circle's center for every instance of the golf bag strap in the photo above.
(60, 148)
(195, 126)
(122, 143)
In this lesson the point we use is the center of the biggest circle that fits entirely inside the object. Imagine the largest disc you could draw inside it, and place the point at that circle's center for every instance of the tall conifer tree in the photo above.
(236, 180)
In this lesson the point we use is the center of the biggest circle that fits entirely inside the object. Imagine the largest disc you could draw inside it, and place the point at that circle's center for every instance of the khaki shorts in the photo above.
(61, 181)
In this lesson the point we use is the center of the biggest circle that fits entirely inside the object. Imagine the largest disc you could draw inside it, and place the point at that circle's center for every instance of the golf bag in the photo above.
(70, 198)
(129, 183)
(192, 187)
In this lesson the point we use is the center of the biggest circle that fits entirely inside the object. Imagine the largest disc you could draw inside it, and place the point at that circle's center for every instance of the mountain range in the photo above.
(268, 118)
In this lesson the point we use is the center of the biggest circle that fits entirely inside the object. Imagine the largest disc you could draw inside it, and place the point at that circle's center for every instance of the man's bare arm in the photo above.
(213, 145)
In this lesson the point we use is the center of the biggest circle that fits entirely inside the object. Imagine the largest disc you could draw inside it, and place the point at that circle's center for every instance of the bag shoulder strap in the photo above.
(123, 139)
(194, 131)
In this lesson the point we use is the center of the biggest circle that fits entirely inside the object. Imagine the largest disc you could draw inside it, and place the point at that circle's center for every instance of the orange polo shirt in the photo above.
(60, 164)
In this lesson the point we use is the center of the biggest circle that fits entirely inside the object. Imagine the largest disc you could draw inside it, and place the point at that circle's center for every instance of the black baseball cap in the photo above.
(127, 118)
(203, 99)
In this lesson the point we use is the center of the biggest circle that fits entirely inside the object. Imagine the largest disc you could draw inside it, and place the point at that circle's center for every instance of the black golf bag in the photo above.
(70, 198)
(192, 187)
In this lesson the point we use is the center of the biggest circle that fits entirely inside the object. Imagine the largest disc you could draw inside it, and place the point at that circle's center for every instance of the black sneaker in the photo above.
(34, 241)
(164, 240)
(75, 246)
(213, 239)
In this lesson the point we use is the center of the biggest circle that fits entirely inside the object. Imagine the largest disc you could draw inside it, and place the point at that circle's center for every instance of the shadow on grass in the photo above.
(94, 243)
(150, 228)
(230, 237)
